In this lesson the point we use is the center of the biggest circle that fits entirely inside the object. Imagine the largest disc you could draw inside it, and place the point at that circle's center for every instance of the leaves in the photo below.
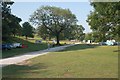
(55, 19)
(27, 30)
(105, 18)
(10, 22)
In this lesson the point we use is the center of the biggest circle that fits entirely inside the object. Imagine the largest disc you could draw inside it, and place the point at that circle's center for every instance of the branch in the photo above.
(47, 27)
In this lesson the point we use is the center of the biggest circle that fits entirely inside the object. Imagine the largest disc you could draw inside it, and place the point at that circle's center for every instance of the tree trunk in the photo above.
(57, 37)
(26, 37)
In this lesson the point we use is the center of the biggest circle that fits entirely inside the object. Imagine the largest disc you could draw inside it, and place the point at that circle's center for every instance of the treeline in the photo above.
(51, 22)
(58, 23)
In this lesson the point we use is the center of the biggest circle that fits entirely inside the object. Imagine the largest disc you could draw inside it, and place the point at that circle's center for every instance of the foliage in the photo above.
(54, 19)
(88, 36)
(27, 30)
(78, 32)
(105, 19)
(44, 33)
(10, 22)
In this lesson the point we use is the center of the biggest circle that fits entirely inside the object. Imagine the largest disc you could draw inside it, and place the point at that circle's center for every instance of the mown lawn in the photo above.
(32, 46)
(80, 61)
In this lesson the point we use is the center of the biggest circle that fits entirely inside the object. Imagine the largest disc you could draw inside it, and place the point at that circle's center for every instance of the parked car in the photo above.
(9, 46)
(6, 46)
(116, 43)
(102, 43)
(16, 45)
(109, 42)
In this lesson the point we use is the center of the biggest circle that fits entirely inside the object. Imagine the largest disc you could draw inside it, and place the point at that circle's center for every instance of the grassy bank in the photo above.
(80, 61)
(32, 46)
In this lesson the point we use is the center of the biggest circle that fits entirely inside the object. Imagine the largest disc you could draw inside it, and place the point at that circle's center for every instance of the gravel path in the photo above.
(21, 58)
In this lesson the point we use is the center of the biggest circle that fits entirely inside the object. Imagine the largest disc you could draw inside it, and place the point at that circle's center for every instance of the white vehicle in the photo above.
(109, 43)
(15, 45)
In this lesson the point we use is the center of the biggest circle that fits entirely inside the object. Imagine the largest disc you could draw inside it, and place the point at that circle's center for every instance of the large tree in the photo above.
(54, 19)
(27, 30)
(6, 12)
(10, 22)
(75, 32)
(105, 19)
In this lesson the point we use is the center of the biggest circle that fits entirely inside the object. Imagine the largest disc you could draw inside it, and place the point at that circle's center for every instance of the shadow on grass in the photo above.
(80, 47)
(117, 51)
(18, 51)
(16, 71)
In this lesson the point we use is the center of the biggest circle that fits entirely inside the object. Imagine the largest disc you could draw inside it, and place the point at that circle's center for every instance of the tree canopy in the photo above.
(10, 22)
(105, 19)
(54, 19)
(27, 30)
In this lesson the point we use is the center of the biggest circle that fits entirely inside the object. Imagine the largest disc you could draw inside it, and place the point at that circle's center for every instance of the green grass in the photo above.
(30, 43)
(32, 46)
(80, 61)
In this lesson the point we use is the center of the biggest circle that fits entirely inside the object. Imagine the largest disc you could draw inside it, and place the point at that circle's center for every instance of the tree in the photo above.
(27, 30)
(105, 18)
(88, 36)
(75, 32)
(10, 22)
(78, 32)
(54, 19)
(5, 6)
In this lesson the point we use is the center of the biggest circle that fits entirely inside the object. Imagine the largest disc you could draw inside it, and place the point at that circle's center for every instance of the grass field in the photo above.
(80, 61)
(31, 46)
(18, 51)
